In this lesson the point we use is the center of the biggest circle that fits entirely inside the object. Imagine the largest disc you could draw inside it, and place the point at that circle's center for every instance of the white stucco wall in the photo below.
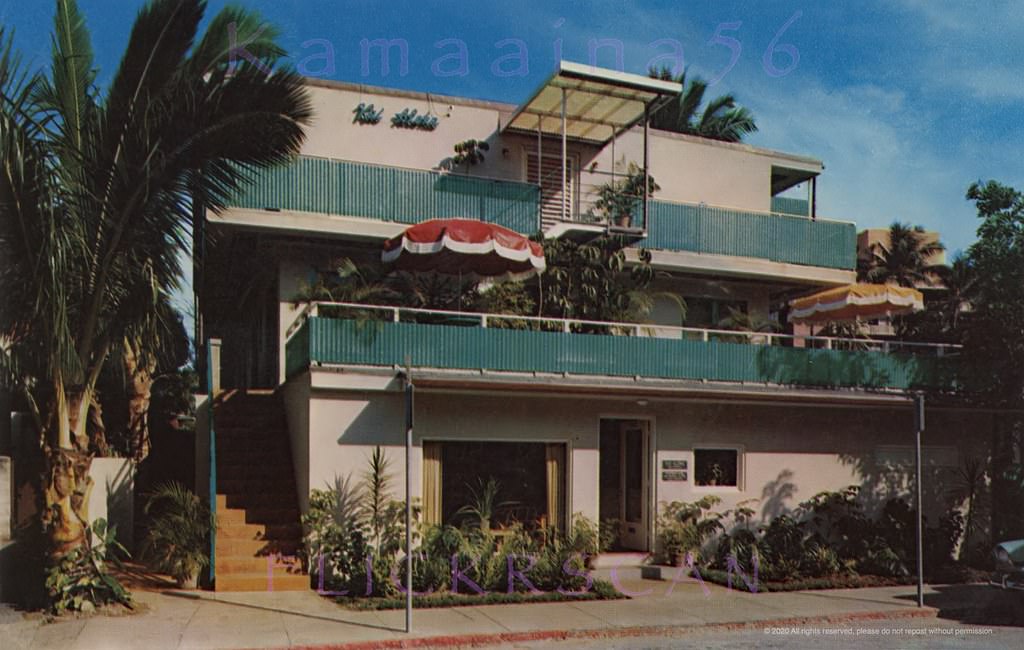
(295, 395)
(789, 453)
(688, 169)
(113, 495)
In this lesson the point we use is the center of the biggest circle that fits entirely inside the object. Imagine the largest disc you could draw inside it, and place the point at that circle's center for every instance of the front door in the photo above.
(624, 480)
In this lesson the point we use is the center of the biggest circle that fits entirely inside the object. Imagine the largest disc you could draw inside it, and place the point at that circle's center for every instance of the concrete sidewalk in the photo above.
(267, 619)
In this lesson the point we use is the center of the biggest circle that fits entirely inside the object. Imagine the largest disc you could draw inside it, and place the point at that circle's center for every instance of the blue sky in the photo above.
(905, 101)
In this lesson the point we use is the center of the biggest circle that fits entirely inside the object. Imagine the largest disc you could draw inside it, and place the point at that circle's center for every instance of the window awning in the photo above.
(599, 103)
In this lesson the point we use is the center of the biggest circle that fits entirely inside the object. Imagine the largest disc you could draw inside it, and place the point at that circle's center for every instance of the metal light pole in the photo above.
(918, 428)
(408, 495)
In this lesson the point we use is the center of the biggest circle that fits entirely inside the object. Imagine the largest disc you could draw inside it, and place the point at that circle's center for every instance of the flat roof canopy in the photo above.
(599, 103)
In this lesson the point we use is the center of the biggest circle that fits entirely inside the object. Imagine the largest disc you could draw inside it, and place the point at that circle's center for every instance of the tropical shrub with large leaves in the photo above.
(98, 192)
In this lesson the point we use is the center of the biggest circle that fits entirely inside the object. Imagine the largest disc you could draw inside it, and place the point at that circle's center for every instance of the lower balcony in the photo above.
(391, 336)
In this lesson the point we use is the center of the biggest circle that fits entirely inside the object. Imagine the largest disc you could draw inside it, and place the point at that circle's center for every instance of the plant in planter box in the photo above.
(619, 200)
(686, 527)
(179, 530)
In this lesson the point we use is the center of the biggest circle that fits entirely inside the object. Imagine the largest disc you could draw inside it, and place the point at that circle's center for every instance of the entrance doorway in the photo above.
(625, 481)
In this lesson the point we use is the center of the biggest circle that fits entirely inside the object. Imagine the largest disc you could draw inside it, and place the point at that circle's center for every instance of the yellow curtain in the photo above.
(432, 483)
(555, 472)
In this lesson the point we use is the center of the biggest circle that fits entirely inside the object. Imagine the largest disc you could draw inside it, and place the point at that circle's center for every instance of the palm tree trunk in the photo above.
(139, 369)
(67, 456)
(66, 495)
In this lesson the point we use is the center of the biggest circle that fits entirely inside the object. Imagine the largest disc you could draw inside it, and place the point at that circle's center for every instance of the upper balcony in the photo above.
(391, 194)
(402, 196)
(364, 335)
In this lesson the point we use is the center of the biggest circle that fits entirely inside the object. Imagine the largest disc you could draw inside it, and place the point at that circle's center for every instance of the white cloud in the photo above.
(880, 165)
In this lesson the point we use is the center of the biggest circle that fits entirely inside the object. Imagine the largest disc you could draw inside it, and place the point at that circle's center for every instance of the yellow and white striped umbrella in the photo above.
(855, 302)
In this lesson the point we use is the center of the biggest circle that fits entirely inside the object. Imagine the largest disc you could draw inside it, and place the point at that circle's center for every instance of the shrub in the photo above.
(356, 533)
(79, 581)
(549, 560)
(179, 530)
(335, 543)
(686, 527)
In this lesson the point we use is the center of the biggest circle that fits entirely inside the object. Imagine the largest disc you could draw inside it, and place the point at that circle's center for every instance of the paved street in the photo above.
(669, 615)
(932, 634)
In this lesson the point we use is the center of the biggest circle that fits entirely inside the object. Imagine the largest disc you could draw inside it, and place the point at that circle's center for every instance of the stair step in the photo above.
(255, 470)
(245, 485)
(256, 547)
(260, 582)
(280, 564)
(285, 515)
(260, 499)
(259, 531)
(261, 455)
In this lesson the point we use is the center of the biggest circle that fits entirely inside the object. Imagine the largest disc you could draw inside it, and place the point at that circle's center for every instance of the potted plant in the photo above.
(470, 152)
(619, 199)
(179, 530)
(686, 527)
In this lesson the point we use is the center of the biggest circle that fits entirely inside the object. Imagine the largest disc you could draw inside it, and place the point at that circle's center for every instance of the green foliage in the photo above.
(721, 118)
(507, 298)
(618, 200)
(355, 532)
(336, 537)
(601, 590)
(101, 184)
(80, 582)
(830, 536)
(992, 362)
(590, 281)
(470, 152)
(482, 505)
(686, 527)
(905, 260)
(384, 515)
(177, 541)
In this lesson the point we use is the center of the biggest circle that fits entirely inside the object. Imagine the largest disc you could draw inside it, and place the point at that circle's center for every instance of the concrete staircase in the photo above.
(258, 526)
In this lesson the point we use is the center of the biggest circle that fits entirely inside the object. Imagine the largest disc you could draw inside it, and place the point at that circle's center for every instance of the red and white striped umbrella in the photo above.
(465, 247)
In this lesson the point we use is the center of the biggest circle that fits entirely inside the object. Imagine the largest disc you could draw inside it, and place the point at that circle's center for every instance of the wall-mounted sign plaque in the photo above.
(674, 475)
(673, 464)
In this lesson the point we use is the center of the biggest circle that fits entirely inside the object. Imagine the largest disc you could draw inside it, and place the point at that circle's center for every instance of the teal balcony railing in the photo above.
(478, 342)
(396, 194)
(780, 238)
(788, 205)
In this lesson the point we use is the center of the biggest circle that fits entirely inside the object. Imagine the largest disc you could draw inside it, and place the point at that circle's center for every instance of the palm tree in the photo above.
(97, 195)
(906, 259)
(721, 118)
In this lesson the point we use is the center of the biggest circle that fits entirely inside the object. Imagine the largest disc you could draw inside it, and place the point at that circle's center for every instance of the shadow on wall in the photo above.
(378, 422)
(777, 495)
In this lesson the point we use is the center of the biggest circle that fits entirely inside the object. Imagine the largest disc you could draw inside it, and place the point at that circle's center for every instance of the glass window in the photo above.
(518, 470)
(719, 467)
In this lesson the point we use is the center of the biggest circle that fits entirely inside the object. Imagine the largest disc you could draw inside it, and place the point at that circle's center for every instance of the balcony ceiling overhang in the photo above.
(599, 103)
(784, 178)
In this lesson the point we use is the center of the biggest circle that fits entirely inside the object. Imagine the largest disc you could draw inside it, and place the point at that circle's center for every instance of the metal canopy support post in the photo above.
(918, 429)
(612, 154)
(647, 159)
(540, 152)
(408, 496)
(814, 198)
(565, 155)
